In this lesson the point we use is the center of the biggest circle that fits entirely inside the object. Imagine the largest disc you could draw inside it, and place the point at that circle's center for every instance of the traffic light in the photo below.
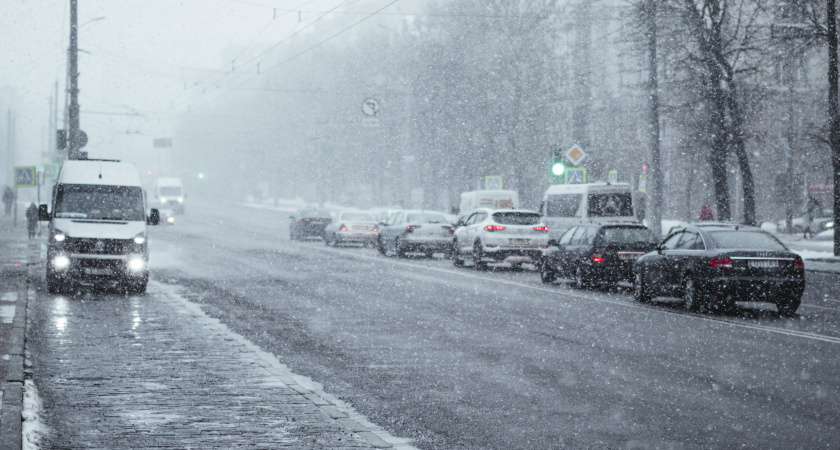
(557, 166)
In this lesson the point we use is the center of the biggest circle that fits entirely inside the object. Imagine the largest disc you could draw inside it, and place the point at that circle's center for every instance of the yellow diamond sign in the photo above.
(575, 155)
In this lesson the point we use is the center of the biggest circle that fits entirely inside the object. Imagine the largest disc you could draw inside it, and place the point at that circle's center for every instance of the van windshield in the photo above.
(619, 204)
(562, 205)
(88, 201)
(170, 190)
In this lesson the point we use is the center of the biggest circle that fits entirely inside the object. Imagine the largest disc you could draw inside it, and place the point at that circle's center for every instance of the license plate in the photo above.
(97, 271)
(763, 264)
(629, 256)
(359, 228)
(520, 241)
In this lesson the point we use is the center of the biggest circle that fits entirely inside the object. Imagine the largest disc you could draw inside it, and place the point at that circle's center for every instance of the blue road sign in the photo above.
(493, 182)
(576, 175)
(25, 176)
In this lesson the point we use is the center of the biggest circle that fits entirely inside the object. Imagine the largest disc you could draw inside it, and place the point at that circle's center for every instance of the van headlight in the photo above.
(61, 262)
(140, 239)
(170, 220)
(163, 200)
(59, 236)
(136, 264)
(180, 199)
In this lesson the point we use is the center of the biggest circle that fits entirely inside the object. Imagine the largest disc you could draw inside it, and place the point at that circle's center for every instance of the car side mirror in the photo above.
(154, 217)
(43, 214)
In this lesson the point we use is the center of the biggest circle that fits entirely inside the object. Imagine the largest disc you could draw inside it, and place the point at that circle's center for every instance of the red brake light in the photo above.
(342, 228)
(410, 228)
(494, 228)
(721, 263)
(302, 221)
(375, 229)
(544, 229)
(449, 228)
(798, 264)
(597, 256)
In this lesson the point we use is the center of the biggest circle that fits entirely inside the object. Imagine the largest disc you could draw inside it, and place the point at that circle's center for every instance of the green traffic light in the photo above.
(557, 169)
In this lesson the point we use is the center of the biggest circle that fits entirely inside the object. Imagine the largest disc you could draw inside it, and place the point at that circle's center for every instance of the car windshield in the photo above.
(425, 218)
(516, 218)
(314, 213)
(365, 217)
(562, 205)
(627, 235)
(85, 201)
(611, 205)
(746, 240)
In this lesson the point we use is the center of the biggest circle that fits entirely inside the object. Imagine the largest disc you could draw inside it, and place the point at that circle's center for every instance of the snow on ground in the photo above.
(33, 428)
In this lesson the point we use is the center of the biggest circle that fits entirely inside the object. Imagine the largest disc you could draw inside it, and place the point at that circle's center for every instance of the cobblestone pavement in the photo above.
(154, 371)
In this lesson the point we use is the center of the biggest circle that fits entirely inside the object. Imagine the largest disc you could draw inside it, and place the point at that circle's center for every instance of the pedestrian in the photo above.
(8, 199)
(812, 208)
(31, 219)
(706, 213)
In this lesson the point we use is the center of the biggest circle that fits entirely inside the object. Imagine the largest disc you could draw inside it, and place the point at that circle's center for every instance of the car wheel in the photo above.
(398, 248)
(641, 293)
(477, 255)
(381, 246)
(581, 280)
(327, 240)
(456, 255)
(693, 296)
(546, 274)
(54, 284)
(787, 306)
(292, 236)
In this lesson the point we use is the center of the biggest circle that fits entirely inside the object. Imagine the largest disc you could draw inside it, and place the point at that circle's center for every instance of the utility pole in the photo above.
(655, 159)
(74, 135)
(834, 112)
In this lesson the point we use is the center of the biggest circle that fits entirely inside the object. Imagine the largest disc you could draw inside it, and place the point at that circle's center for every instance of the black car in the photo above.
(309, 223)
(597, 252)
(714, 266)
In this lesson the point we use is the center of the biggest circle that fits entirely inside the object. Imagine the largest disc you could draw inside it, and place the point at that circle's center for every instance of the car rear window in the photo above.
(746, 240)
(562, 205)
(357, 216)
(516, 218)
(627, 235)
(618, 204)
(426, 218)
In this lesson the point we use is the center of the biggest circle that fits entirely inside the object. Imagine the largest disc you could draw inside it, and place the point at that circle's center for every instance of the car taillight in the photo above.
(342, 228)
(302, 222)
(798, 264)
(411, 228)
(544, 229)
(375, 229)
(494, 228)
(449, 228)
(597, 255)
(721, 263)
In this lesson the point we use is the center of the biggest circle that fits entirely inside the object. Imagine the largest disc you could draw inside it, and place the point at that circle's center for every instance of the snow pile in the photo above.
(33, 428)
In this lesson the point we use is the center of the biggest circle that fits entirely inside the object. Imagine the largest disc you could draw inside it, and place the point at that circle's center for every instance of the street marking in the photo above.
(792, 333)
(7, 314)
(9, 297)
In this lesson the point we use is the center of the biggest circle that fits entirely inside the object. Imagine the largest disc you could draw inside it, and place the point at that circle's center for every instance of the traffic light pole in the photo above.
(74, 134)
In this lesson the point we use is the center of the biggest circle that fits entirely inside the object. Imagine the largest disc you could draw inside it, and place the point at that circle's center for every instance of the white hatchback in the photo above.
(513, 236)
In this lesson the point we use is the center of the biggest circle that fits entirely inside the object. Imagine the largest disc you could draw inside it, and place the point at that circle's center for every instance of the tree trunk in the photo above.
(655, 220)
(834, 113)
(737, 138)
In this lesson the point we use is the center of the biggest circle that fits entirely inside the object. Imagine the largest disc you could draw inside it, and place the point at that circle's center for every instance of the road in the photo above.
(457, 358)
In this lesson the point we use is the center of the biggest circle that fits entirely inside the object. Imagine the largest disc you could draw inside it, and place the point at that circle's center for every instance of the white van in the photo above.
(169, 193)
(565, 205)
(494, 199)
(98, 227)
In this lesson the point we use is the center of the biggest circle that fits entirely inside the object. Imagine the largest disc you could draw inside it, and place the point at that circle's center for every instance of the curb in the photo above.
(11, 422)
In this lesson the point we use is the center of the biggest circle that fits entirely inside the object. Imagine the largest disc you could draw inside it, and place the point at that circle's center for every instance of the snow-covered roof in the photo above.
(99, 172)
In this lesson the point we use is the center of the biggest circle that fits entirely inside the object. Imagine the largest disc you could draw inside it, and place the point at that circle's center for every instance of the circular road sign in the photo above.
(370, 107)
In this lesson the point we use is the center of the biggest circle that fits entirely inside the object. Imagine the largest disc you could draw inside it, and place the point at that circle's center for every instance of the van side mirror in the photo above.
(154, 217)
(43, 214)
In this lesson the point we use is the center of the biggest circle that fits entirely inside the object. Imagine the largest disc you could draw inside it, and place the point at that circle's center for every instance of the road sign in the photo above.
(613, 177)
(25, 176)
(642, 183)
(371, 107)
(51, 171)
(576, 175)
(493, 182)
(575, 155)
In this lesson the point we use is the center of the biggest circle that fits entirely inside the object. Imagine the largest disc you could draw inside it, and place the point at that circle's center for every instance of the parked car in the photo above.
(307, 223)
(597, 252)
(352, 228)
(513, 236)
(823, 220)
(712, 267)
(427, 232)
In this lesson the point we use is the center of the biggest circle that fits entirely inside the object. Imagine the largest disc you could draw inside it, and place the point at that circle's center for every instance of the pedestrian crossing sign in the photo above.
(575, 175)
(51, 171)
(493, 182)
(25, 176)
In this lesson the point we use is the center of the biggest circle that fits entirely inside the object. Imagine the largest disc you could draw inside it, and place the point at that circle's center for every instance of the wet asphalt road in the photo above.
(453, 357)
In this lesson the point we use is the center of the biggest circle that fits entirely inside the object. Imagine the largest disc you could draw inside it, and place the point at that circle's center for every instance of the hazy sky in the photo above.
(155, 58)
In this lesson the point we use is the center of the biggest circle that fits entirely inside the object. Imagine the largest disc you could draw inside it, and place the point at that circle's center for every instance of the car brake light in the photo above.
(342, 228)
(798, 264)
(375, 229)
(410, 228)
(721, 263)
(597, 256)
(544, 229)
(494, 228)
(302, 222)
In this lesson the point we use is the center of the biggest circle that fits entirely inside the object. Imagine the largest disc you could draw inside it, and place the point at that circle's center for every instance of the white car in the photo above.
(513, 236)
(351, 228)
(427, 232)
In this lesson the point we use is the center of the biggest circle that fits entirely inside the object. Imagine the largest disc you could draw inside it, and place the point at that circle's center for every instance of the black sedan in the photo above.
(714, 266)
(595, 253)
(308, 223)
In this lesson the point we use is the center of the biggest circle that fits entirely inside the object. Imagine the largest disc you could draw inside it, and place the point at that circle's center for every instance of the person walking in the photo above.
(31, 219)
(8, 199)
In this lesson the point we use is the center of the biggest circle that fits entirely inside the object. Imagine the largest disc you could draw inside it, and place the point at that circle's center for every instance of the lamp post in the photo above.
(75, 140)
